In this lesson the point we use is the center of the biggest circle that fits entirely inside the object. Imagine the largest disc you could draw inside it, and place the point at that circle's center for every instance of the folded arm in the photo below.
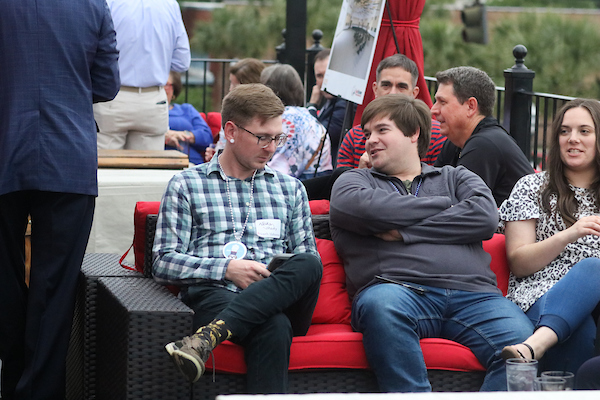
(363, 208)
(472, 217)
(469, 216)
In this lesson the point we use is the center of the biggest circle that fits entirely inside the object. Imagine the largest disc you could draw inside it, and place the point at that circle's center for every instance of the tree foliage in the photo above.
(254, 30)
(546, 3)
(562, 51)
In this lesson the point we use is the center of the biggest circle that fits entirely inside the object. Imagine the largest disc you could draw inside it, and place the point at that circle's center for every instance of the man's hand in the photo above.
(174, 138)
(390, 236)
(315, 96)
(245, 272)
(209, 153)
(365, 161)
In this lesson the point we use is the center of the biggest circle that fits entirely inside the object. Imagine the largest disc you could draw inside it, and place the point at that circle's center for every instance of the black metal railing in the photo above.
(207, 82)
(527, 115)
(432, 86)
(543, 110)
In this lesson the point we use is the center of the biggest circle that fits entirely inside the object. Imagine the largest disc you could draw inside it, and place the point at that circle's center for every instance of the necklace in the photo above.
(416, 191)
(236, 250)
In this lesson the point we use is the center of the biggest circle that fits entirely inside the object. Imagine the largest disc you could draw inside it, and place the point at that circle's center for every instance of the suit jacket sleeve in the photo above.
(105, 68)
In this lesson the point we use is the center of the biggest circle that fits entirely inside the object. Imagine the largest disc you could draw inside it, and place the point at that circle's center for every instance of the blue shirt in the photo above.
(56, 59)
(151, 39)
(184, 117)
(194, 223)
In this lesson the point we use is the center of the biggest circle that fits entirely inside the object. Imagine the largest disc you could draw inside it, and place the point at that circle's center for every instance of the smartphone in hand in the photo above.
(278, 260)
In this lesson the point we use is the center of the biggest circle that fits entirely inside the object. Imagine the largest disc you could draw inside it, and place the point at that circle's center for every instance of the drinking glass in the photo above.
(569, 377)
(549, 383)
(520, 374)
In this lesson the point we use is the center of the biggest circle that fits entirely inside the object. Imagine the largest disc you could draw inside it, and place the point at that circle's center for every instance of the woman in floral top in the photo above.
(307, 151)
(552, 228)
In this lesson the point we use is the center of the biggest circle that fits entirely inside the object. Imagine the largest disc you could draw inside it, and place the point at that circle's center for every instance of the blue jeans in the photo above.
(393, 319)
(567, 309)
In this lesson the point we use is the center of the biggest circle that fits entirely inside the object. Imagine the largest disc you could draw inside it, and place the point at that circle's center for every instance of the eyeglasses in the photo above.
(265, 140)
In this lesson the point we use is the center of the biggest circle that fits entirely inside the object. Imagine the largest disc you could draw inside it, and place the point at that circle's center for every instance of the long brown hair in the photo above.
(557, 182)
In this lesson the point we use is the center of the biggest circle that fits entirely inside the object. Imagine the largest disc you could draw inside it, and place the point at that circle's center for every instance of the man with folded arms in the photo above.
(410, 236)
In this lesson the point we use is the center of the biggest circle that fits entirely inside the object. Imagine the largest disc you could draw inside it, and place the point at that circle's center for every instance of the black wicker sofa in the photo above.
(133, 317)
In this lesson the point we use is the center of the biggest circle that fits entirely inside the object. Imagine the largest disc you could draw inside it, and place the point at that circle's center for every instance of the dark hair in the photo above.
(176, 83)
(249, 101)
(285, 82)
(410, 115)
(557, 182)
(470, 82)
(322, 55)
(247, 70)
(399, 61)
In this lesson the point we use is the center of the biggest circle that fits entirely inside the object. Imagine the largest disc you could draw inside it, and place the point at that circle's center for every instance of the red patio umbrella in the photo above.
(404, 23)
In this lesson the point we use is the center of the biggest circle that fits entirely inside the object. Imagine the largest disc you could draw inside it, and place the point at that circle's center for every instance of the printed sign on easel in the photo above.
(353, 48)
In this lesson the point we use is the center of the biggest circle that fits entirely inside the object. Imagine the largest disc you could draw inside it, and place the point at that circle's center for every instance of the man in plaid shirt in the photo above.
(219, 224)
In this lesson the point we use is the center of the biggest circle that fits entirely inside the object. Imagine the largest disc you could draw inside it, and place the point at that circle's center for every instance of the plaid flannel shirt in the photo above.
(194, 223)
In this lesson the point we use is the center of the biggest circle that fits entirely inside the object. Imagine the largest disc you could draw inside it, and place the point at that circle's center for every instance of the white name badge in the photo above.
(268, 228)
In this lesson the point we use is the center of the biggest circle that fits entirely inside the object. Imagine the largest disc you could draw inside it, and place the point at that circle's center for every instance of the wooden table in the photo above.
(162, 159)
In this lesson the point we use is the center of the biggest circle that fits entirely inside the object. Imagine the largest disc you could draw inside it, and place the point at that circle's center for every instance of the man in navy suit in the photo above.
(57, 58)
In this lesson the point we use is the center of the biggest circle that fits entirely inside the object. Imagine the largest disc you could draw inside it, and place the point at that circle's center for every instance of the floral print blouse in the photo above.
(525, 203)
(304, 134)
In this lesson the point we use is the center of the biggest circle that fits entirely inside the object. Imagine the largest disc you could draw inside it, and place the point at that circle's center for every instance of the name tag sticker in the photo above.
(268, 228)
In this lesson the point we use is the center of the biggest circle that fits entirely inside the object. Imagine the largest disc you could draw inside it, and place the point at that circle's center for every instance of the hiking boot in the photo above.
(189, 355)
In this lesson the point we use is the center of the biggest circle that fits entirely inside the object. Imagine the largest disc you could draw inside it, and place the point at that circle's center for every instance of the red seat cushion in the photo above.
(333, 305)
(496, 247)
(319, 207)
(337, 346)
(449, 356)
(324, 346)
(142, 209)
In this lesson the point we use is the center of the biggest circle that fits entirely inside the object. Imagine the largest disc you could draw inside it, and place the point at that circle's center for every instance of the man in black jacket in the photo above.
(463, 105)
(332, 109)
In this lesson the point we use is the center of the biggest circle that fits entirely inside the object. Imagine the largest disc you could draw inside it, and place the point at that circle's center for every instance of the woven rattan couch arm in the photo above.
(136, 318)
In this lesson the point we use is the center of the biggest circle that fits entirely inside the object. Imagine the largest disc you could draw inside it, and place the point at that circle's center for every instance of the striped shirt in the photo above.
(353, 146)
(194, 223)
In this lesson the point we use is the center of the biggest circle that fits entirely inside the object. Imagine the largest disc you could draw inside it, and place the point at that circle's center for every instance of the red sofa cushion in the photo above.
(337, 346)
(319, 207)
(324, 346)
(496, 247)
(333, 305)
(142, 209)
(449, 356)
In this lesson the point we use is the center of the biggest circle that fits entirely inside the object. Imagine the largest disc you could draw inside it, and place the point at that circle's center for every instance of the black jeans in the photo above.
(35, 321)
(264, 317)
